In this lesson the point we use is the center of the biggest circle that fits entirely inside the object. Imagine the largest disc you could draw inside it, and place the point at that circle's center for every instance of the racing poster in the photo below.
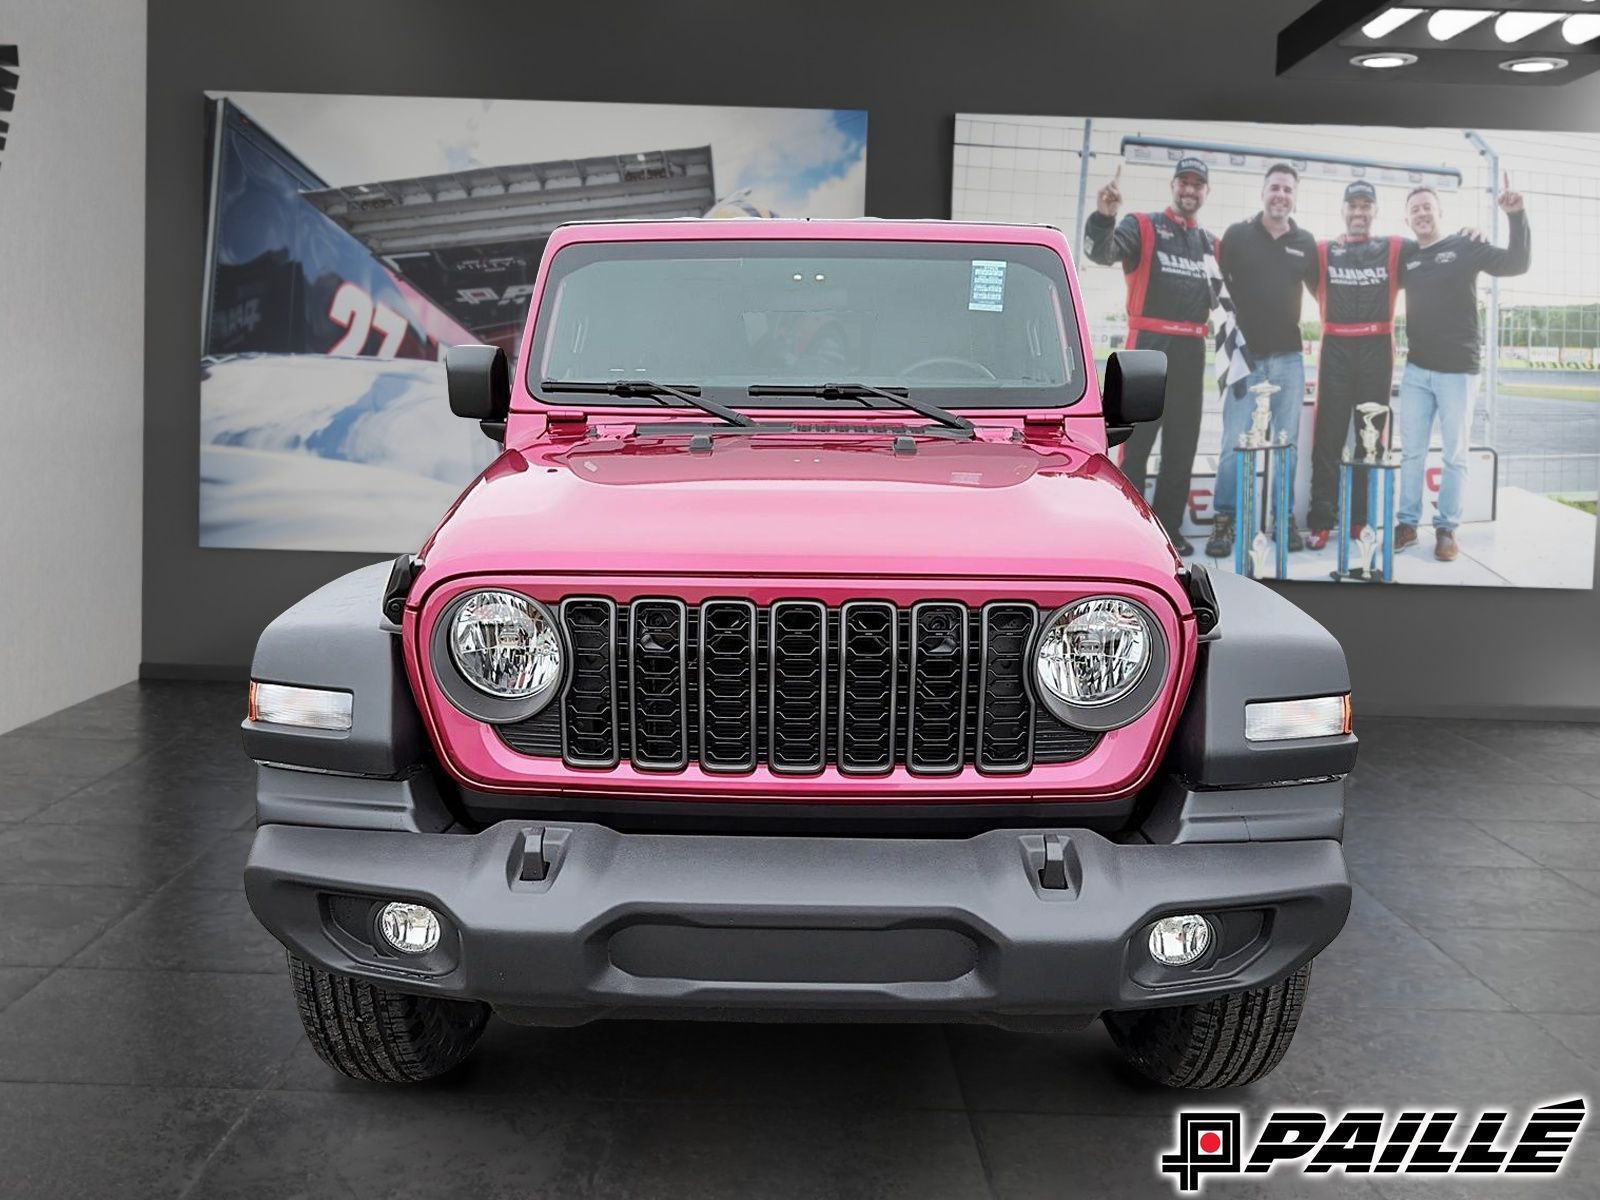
(352, 239)
(1383, 343)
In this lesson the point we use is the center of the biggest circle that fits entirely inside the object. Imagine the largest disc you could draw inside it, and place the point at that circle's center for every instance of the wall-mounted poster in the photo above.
(351, 239)
(1383, 344)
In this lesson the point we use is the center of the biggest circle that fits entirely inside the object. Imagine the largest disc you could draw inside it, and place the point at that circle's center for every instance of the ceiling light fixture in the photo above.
(1580, 29)
(1514, 26)
(1384, 62)
(1386, 23)
(1533, 66)
(1443, 41)
(1448, 22)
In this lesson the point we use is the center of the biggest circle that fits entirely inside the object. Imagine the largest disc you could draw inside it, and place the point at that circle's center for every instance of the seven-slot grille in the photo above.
(866, 687)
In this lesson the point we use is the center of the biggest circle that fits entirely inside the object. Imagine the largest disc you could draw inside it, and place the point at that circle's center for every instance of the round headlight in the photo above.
(1095, 652)
(505, 645)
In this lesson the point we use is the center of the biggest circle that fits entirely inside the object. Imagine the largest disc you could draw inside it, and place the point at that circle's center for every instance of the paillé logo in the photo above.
(1367, 1141)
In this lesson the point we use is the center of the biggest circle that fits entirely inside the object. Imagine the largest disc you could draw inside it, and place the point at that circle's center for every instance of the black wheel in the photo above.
(369, 1033)
(1226, 1042)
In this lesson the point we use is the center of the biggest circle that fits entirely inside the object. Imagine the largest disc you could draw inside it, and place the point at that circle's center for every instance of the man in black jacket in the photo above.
(1265, 263)
(1440, 276)
(1163, 257)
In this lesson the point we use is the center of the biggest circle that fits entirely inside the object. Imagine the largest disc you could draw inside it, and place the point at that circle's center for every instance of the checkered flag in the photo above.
(1232, 355)
(8, 89)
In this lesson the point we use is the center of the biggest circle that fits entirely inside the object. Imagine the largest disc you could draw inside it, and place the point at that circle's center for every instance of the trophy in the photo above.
(1370, 412)
(1261, 554)
(1367, 550)
(1379, 467)
(1261, 418)
(1272, 459)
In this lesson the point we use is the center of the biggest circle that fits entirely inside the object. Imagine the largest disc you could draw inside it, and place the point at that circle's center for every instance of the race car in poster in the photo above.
(283, 279)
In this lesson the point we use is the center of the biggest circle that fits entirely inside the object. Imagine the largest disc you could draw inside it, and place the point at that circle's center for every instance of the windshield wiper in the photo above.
(860, 391)
(645, 387)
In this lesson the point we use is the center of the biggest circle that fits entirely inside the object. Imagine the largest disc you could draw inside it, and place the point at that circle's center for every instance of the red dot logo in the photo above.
(1210, 1143)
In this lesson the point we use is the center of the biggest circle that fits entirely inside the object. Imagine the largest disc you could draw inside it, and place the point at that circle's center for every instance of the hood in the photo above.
(804, 506)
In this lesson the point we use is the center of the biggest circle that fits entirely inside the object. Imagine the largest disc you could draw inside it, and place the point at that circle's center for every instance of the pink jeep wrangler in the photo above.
(802, 654)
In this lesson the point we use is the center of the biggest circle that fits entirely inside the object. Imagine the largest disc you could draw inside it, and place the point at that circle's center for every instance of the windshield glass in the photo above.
(961, 324)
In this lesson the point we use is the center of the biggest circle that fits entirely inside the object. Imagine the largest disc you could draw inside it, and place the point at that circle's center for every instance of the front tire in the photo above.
(370, 1033)
(1227, 1042)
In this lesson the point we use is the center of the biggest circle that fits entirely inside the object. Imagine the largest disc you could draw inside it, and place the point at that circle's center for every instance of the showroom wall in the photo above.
(1471, 651)
(71, 352)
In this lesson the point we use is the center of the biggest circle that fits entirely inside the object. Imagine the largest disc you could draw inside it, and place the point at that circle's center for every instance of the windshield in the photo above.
(960, 324)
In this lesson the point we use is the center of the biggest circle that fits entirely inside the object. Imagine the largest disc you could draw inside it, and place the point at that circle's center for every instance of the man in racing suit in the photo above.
(1358, 279)
(1163, 257)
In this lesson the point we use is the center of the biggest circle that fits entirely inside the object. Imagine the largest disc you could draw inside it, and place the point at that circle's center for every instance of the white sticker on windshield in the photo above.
(988, 285)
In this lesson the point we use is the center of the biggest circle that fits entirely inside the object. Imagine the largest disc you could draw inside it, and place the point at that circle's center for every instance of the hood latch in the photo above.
(1043, 427)
(568, 423)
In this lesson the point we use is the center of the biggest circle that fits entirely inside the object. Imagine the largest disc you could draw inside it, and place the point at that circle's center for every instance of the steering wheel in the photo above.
(972, 367)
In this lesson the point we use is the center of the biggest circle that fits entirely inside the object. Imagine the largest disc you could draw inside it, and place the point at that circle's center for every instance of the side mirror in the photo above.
(479, 383)
(1135, 391)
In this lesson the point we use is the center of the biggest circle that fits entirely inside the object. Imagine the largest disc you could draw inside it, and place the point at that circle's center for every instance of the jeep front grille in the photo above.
(868, 682)
(935, 688)
(728, 673)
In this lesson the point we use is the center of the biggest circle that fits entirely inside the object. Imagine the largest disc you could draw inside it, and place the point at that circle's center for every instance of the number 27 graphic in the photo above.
(356, 311)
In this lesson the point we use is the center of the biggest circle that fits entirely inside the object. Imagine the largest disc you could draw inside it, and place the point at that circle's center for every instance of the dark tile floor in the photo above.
(148, 1045)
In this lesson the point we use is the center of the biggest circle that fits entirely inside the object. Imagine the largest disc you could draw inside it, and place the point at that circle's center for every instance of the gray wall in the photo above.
(71, 354)
(913, 66)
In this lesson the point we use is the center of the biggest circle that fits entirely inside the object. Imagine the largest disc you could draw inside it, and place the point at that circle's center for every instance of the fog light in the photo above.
(409, 928)
(1179, 941)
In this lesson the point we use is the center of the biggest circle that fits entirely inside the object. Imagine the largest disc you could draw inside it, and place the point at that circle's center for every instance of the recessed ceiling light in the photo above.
(1533, 66)
(1386, 23)
(1584, 27)
(1448, 22)
(1384, 62)
(1333, 35)
(1514, 26)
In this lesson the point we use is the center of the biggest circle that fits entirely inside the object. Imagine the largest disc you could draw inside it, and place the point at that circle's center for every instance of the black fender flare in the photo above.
(338, 638)
(1263, 648)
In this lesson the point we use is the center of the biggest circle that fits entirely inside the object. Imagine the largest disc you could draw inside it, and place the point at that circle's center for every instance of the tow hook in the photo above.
(1053, 876)
(534, 867)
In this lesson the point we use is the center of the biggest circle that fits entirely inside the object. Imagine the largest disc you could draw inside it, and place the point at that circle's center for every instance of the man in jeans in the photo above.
(1440, 277)
(1265, 262)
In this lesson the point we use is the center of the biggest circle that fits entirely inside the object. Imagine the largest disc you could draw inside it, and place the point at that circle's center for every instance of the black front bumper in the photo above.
(747, 926)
